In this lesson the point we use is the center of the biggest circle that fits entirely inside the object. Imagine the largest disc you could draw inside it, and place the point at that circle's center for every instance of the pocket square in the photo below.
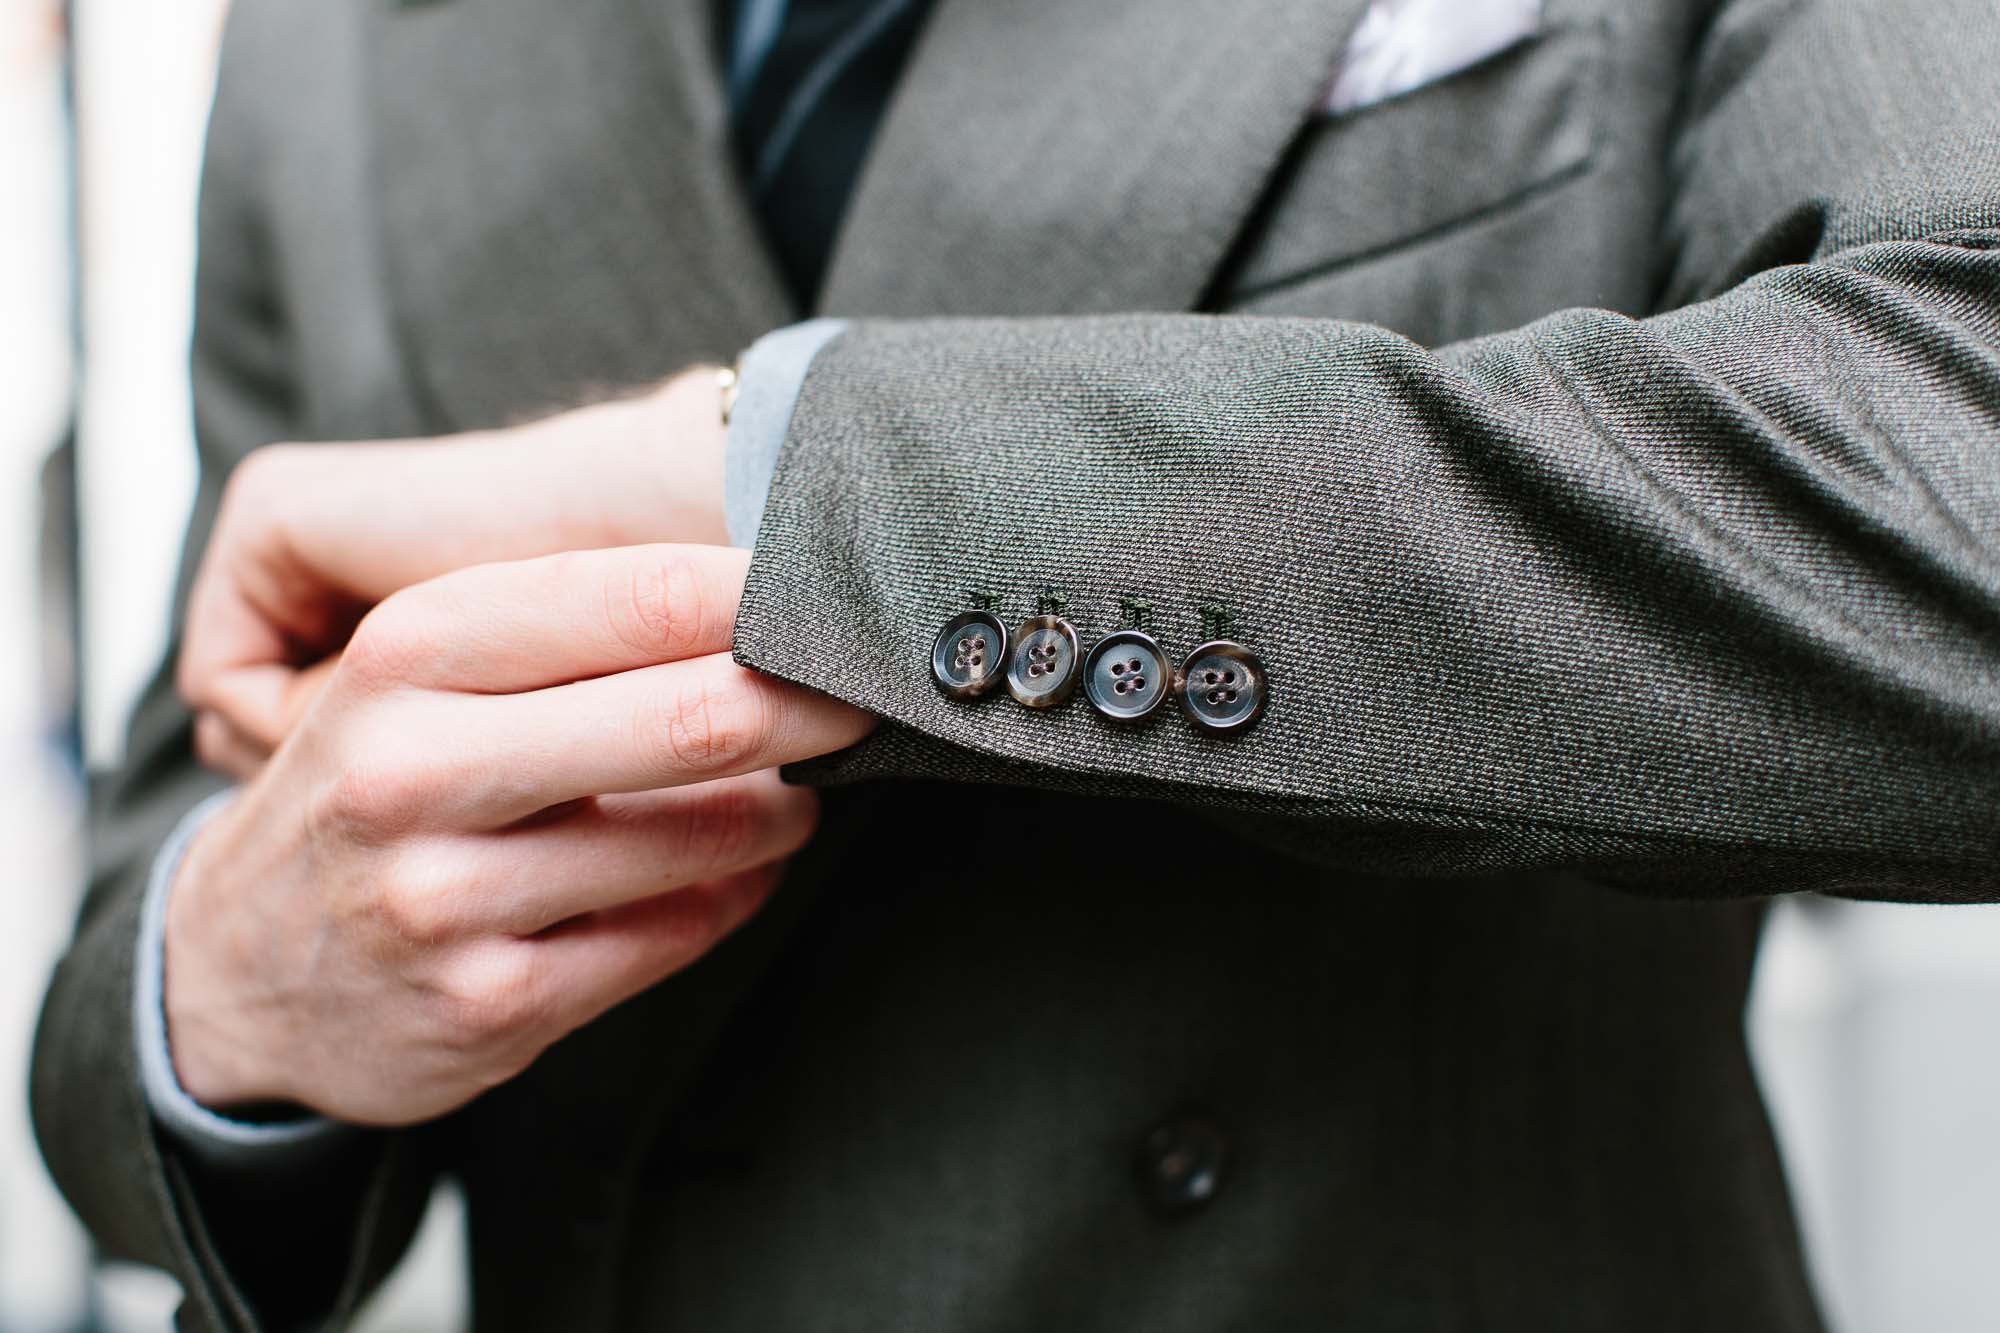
(1404, 44)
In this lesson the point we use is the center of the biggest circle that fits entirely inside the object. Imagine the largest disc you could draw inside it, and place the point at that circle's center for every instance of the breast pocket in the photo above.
(1370, 181)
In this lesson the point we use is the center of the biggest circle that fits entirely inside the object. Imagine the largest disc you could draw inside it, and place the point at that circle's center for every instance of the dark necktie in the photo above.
(808, 82)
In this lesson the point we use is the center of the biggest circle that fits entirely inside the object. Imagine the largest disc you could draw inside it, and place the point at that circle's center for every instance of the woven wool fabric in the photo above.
(1597, 444)
(1722, 579)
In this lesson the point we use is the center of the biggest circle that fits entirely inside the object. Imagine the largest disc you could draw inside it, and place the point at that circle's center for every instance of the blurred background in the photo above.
(1876, 1029)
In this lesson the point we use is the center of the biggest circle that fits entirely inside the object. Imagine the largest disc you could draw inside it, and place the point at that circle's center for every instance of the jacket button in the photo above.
(1042, 669)
(1223, 690)
(970, 654)
(1181, 1164)
(1126, 677)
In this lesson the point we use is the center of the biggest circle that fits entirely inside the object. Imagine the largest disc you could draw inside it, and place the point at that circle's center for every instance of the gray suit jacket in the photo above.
(1597, 445)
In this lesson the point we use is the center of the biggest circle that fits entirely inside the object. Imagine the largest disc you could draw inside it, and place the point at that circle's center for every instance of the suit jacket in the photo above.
(1597, 445)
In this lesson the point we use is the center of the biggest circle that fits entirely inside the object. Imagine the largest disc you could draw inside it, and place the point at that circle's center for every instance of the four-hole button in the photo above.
(1221, 685)
(1223, 690)
(970, 654)
(1127, 676)
(1042, 670)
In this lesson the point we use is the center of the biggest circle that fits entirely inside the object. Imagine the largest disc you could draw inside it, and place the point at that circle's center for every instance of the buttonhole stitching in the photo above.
(1217, 621)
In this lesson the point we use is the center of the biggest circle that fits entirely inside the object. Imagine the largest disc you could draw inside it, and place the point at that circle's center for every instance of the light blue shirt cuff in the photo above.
(769, 379)
(213, 1138)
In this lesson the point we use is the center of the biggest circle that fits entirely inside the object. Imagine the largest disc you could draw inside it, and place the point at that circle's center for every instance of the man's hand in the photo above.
(308, 538)
(527, 792)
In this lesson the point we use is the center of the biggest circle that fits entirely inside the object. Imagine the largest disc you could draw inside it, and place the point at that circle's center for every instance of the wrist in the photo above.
(629, 472)
(212, 1054)
(671, 463)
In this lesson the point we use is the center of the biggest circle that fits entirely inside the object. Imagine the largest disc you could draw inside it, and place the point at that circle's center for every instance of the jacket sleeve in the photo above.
(1708, 600)
(251, 1249)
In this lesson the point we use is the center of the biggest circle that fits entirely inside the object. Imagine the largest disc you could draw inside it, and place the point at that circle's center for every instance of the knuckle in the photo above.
(679, 929)
(370, 798)
(258, 488)
(658, 606)
(692, 933)
(727, 826)
(418, 902)
(255, 476)
(388, 642)
(488, 996)
(714, 727)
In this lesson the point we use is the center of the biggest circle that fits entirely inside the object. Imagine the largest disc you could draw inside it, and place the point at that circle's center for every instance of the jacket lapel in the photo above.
(560, 213)
(1088, 156)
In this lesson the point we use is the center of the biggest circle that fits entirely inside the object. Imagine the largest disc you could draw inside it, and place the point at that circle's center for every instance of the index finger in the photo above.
(530, 624)
(649, 729)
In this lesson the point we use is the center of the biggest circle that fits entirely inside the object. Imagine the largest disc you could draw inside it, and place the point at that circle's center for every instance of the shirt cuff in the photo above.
(213, 1138)
(769, 379)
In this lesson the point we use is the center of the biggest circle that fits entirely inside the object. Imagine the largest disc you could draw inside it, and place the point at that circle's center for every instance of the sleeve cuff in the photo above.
(214, 1138)
(772, 373)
